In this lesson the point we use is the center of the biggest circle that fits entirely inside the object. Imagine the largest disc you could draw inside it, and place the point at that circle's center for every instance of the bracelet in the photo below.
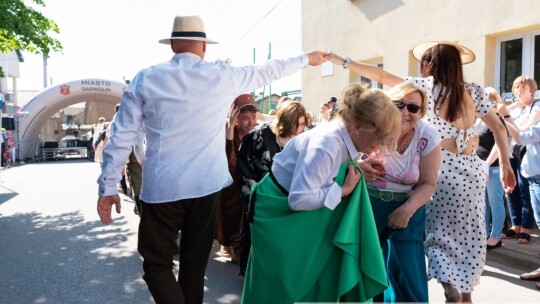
(346, 62)
(506, 116)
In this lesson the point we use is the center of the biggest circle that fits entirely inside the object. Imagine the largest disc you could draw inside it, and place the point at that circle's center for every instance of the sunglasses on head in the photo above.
(412, 108)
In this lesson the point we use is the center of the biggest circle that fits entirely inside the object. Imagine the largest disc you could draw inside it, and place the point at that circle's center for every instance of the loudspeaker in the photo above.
(8, 123)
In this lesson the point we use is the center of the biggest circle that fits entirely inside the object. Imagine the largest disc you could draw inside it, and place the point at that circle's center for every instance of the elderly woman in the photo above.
(313, 234)
(455, 234)
(524, 114)
(258, 147)
(399, 185)
(257, 151)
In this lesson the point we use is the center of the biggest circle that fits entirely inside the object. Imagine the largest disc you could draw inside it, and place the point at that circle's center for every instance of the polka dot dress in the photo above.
(455, 233)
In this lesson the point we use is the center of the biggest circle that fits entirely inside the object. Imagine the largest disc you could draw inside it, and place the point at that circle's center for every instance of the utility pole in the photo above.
(44, 70)
(270, 91)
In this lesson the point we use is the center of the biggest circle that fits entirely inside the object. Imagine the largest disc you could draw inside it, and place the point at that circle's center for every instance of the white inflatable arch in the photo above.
(35, 113)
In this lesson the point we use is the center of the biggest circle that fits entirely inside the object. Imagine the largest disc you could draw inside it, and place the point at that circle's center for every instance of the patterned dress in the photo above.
(254, 160)
(256, 155)
(455, 231)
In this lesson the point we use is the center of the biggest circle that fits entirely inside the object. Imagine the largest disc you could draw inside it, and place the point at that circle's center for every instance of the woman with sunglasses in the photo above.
(399, 184)
(455, 234)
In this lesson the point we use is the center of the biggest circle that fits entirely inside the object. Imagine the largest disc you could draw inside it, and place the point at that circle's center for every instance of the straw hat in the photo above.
(467, 56)
(188, 28)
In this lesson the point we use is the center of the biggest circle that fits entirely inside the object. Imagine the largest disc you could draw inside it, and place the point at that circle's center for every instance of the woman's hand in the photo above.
(372, 168)
(508, 178)
(231, 121)
(334, 58)
(233, 113)
(351, 180)
(399, 219)
(502, 109)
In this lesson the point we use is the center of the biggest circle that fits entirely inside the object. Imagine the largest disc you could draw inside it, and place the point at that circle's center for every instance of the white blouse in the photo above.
(308, 164)
(403, 170)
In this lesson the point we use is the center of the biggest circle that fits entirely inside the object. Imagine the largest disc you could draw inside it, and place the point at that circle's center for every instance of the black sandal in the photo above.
(510, 233)
(524, 238)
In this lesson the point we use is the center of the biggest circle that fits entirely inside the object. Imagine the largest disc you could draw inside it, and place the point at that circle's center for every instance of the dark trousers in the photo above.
(519, 201)
(158, 228)
(3, 150)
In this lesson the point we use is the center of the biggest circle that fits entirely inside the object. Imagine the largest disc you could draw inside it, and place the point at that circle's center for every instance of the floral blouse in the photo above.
(255, 155)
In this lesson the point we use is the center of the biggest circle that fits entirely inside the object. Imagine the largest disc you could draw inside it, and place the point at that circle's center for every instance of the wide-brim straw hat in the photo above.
(188, 28)
(467, 55)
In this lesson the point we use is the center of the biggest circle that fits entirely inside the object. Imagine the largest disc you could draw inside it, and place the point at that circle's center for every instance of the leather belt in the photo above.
(389, 196)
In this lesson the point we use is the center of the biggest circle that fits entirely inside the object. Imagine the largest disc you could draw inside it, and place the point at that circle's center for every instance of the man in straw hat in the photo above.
(182, 104)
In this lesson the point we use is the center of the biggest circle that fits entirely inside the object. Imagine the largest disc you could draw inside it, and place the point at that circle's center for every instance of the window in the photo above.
(515, 56)
(371, 83)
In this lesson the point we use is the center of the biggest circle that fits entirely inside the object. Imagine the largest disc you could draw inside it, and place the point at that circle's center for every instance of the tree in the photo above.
(23, 28)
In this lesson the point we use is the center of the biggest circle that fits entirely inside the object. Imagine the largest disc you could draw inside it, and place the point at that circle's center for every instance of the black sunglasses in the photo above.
(412, 108)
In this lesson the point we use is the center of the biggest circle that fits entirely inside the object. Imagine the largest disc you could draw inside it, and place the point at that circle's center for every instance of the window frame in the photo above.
(372, 83)
(527, 55)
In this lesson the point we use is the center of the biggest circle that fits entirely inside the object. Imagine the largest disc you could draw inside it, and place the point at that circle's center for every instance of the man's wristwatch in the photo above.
(346, 62)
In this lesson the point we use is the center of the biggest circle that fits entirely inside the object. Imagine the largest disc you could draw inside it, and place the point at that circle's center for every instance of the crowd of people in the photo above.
(8, 149)
(342, 207)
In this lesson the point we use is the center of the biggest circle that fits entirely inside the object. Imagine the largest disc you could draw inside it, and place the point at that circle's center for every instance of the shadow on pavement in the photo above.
(6, 194)
(512, 276)
(223, 285)
(64, 259)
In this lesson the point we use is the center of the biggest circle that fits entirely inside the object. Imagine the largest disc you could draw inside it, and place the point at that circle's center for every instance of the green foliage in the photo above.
(23, 28)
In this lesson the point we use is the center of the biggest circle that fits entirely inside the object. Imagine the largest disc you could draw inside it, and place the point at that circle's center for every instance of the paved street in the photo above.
(55, 250)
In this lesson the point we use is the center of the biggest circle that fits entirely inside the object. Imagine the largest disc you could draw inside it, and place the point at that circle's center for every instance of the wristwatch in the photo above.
(346, 62)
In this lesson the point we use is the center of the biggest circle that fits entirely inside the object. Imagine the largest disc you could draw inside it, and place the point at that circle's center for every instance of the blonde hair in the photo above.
(286, 122)
(525, 80)
(405, 88)
(493, 95)
(371, 107)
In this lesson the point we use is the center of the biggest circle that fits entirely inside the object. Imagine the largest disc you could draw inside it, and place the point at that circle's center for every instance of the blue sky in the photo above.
(115, 39)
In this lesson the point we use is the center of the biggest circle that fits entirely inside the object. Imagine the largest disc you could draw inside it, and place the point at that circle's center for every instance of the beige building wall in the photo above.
(385, 31)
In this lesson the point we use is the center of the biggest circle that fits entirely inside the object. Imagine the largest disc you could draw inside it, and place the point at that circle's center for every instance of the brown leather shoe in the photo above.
(531, 276)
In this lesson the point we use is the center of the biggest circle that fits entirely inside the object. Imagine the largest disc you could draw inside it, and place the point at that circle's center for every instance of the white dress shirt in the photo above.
(309, 163)
(183, 104)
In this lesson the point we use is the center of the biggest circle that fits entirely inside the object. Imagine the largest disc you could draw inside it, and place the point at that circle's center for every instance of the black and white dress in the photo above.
(455, 231)
(256, 154)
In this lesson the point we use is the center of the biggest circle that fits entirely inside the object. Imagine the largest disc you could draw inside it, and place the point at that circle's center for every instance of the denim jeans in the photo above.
(534, 189)
(519, 201)
(495, 212)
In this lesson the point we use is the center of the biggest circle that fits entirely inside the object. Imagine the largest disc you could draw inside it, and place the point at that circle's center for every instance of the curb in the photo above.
(513, 258)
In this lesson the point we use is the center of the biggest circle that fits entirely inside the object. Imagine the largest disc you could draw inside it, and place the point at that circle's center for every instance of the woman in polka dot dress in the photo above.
(455, 234)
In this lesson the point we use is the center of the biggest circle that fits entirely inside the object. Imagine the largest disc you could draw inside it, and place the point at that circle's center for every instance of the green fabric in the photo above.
(313, 256)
